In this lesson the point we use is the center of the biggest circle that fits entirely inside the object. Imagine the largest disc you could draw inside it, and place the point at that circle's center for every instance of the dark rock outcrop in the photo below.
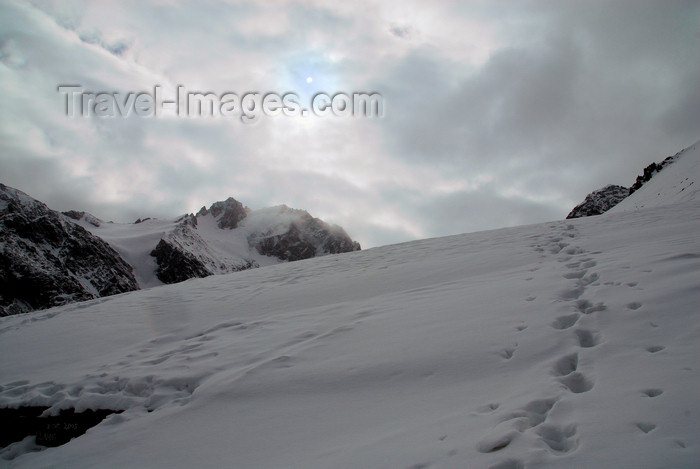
(599, 201)
(176, 264)
(648, 173)
(47, 260)
(183, 254)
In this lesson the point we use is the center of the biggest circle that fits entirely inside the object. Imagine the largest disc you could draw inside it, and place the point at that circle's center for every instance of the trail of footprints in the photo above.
(560, 439)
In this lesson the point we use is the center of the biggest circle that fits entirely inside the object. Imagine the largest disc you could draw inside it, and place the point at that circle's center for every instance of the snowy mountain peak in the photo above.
(229, 237)
(228, 213)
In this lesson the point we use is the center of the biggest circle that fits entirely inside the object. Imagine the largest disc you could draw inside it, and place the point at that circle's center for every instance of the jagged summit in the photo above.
(228, 213)
(229, 237)
(600, 201)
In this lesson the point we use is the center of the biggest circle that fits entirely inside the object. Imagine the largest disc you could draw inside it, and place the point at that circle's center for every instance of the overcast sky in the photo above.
(497, 113)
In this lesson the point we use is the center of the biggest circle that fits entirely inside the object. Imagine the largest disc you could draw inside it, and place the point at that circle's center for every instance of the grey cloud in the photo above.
(576, 92)
(480, 210)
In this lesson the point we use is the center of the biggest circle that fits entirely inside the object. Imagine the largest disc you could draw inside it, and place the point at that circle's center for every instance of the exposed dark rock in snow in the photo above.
(49, 431)
(604, 199)
(599, 201)
(47, 260)
(176, 264)
(649, 172)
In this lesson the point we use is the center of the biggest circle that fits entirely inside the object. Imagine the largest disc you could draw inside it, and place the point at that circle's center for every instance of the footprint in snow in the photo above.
(655, 348)
(590, 279)
(573, 293)
(488, 408)
(509, 464)
(566, 365)
(532, 414)
(577, 382)
(575, 274)
(565, 322)
(508, 352)
(646, 427)
(559, 439)
(586, 307)
(586, 338)
(652, 392)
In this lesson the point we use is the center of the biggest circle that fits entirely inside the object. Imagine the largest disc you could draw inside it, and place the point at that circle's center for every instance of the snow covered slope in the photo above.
(565, 344)
(679, 181)
(134, 242)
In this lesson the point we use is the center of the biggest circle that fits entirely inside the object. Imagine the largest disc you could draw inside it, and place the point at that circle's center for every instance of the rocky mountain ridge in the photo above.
(600, 201)
(281, 233)
(49, 258)
(607, 197)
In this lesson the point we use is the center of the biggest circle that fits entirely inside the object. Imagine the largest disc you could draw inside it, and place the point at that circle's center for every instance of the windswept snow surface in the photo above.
(560, 345)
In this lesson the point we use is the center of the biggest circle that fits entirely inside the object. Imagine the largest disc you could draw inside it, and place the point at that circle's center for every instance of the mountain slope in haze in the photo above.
(226, 237)
(564, 344)
(46, 260)
(602, 200)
